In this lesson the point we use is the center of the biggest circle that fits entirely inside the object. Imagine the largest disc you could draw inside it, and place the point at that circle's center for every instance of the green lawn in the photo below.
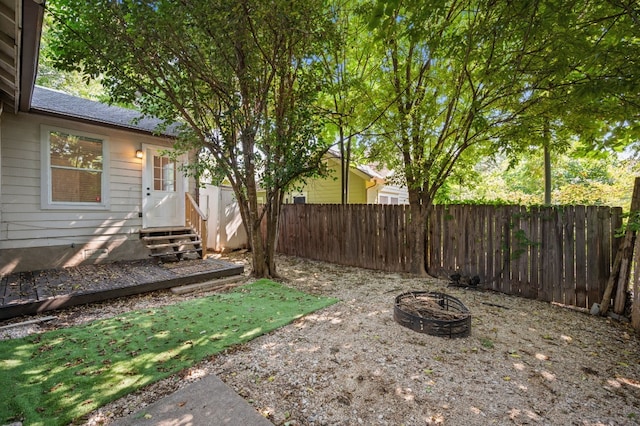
(55, 377)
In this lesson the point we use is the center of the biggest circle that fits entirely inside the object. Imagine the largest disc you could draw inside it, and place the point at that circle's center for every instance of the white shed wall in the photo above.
(224, 228)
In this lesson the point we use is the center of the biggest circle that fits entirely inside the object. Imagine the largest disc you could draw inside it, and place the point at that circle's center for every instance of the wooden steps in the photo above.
(176, 242)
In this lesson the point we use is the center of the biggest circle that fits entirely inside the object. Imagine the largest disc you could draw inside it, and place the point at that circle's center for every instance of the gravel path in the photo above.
(525, 362)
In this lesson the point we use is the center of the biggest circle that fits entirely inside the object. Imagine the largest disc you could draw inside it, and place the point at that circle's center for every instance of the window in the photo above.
(164, 174)
(387, 199)
(73, 170)
(299, 198)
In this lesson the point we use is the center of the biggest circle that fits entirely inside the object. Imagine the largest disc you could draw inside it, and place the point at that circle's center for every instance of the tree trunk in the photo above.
(272, 218)
(418, 245)
(546, 133)
(344, 169)
(260, 265)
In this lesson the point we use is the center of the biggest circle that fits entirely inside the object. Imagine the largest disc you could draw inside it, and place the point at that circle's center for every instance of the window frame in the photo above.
(46, 176)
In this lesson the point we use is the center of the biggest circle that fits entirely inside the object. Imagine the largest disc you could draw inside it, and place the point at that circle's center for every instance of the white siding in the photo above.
(399, 192)
(26, 225)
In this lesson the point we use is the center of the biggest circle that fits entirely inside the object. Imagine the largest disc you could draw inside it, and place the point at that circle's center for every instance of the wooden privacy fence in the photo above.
(556, 254)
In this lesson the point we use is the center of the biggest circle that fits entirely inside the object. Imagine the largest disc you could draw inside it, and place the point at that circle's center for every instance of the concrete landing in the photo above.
(208, 401)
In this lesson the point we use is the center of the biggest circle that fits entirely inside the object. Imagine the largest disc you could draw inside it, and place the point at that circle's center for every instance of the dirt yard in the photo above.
(525, 362)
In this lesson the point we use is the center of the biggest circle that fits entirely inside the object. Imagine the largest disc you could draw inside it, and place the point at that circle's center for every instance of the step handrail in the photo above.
(196, 219)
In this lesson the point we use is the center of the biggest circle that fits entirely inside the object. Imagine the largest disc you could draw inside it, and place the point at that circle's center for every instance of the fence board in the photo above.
(486, 246)
(403, 222)
(519, 249)
(434, 247)
(524, 262)
(352, 235)
(504, 234)
(448, 241)
(376, 232)
(569, 282)
(556, 254)
(474, 240)
(546, 289)
(479, 242)
(465, 258)
(581, 256)
(535, 237)
(593, 251)
(335, 229)
(604, 243)
(500, 246)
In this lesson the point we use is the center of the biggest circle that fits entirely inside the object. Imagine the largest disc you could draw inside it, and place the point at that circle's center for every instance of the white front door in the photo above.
(163, 190)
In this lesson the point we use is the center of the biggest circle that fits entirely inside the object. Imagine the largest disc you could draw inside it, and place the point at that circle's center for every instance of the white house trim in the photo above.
(46, 179)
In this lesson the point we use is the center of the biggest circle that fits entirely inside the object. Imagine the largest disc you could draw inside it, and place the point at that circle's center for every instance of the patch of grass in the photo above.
(58, 376)
(487, 343)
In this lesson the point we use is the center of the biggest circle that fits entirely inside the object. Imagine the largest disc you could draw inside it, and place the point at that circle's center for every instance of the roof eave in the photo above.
(85, 120)
(32, 17)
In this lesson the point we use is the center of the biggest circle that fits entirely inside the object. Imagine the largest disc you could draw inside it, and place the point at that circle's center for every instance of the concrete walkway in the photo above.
(207, 402)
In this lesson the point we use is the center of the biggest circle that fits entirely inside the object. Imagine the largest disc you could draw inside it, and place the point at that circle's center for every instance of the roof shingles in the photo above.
(60, 104)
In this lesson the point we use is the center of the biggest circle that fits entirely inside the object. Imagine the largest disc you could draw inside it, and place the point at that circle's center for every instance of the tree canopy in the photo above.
(72, 82)
(430, 86)
(242, 76)
(468, 78)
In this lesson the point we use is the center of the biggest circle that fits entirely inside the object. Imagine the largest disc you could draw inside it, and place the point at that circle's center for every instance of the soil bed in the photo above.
(525, 362)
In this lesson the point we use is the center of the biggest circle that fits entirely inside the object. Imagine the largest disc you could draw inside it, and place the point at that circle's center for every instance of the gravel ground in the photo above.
(525, 362)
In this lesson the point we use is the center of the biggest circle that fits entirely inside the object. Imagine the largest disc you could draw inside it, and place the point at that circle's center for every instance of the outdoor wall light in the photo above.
(139, 153)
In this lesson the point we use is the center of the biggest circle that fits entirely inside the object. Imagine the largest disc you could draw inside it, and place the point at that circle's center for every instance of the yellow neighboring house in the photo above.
(366, 186)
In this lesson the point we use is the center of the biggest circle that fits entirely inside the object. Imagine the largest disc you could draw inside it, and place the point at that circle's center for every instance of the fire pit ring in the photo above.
(434, 313)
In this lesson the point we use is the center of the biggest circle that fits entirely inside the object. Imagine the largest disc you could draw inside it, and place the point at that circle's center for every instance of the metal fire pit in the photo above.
(433, 313)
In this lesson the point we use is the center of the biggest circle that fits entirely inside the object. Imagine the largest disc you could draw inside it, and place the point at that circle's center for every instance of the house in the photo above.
(83, 182)
(79, 180)
(366, 186)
